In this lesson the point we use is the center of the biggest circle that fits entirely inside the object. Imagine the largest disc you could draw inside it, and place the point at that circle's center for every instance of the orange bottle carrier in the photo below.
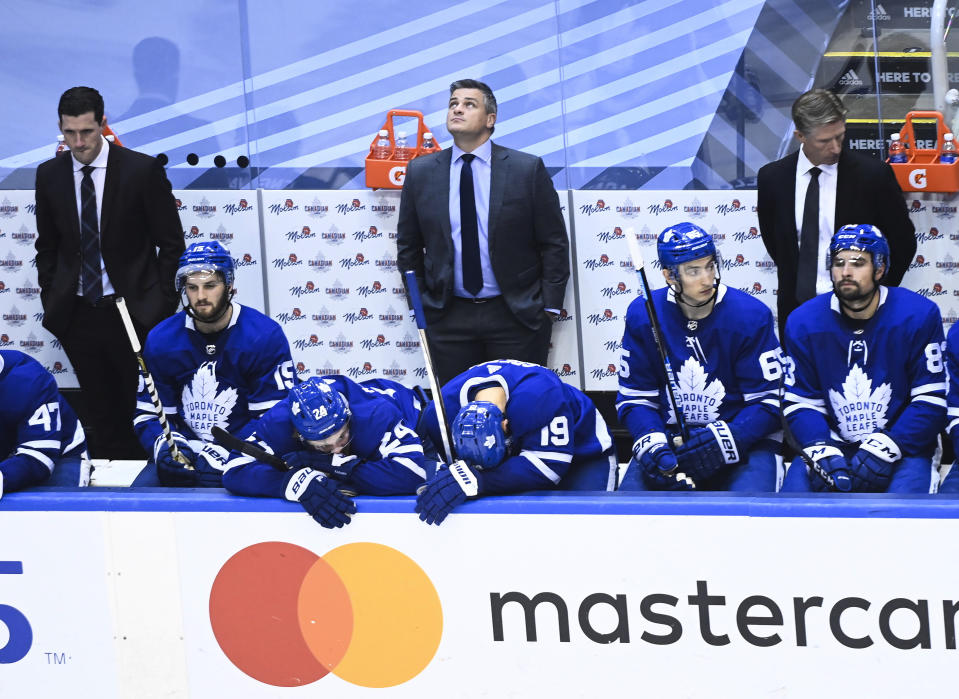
(390, 173)
(923, 172)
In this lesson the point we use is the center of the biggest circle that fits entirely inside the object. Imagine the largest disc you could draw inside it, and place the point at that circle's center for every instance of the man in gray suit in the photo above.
(482, 228)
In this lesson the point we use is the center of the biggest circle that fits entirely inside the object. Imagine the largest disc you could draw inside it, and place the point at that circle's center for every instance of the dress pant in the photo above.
(485, 330)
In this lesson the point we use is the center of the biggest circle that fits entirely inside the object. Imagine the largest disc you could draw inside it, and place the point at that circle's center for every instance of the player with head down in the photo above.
(517, 427)
(336, 436)
(865, 385)
(41, 440)
(725, 362)
(951, 482)
(214, 363)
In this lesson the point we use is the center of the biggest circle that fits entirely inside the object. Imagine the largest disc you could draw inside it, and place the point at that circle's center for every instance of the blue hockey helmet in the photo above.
(864, 237)
(205, 257)
(317, 409)
(478, 434)
(681, 243)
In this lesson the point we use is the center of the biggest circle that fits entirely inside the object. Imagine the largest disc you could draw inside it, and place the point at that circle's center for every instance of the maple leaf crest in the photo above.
(203, 406)
(859, 409)
(699, 400)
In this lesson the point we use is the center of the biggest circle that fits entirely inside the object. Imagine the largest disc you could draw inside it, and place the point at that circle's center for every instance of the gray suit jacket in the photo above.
(528, 245)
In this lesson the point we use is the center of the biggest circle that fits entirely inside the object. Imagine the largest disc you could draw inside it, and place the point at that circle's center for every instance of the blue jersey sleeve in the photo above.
(638, 400)
(804, 403)
(244, 475)
(38, 425)
(952, 399)
(396, 466)
(758, 371)
(272, 375)
(146, 423)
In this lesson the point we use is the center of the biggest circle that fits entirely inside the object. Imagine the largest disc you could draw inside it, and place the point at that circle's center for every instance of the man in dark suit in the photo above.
(482, 228)
(798, 220)
(102, 213)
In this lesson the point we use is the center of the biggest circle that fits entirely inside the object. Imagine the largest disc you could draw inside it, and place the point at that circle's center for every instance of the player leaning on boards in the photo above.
(335, 434)
(214, 363)
(865, 386)
(951, 482)
(517, 427)
(41, 440)
(723, 350)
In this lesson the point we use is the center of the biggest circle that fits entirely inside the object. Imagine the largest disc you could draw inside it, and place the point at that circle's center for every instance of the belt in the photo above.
(478, 300)
(103, 302)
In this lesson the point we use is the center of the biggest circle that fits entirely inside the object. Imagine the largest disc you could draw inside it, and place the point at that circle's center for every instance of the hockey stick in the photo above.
(416, 302)
(234, 443)
(151, 387)
(671, 385)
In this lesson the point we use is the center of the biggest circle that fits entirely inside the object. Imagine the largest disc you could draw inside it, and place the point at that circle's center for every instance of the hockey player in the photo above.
(726, 362)
(341, 435)
(517, 427)
(214, 363)
(866, 393)
(41, 440)
(951, 482)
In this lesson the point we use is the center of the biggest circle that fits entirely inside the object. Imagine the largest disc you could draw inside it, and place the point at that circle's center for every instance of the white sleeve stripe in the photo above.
(143, 418)
(263, 405)
(935, 400)
(238, 461)
(952, 424)
(799, 406)
(549, 455)
(753, 396)
(771, 401)
(602, 432)
(78, 437)
(646, 403)
(796, 398)
(408, 449)
(411, 465)
(38, 455)
(43, 444)
(147, 407)
(953, 411)
(540, 466)
(929, 388)
(636, 392)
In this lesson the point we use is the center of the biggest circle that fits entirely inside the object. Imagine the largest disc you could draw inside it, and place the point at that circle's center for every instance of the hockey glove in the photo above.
(658, 463)
(872, 463)
(210, 465)
(320, 498)
(444, 491)
(829, 470)
(171, 472)
(708, 450)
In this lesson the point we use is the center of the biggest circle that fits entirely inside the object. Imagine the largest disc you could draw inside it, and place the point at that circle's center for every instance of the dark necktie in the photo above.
(89, 239)
(809, 241)
(469, 230)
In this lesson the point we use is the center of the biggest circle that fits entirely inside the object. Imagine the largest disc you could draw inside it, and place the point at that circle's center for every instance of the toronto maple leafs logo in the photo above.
(204, 406)
(700, 400)
(859, 409)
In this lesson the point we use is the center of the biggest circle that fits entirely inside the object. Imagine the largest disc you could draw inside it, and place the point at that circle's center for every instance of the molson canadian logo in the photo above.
(288, 617)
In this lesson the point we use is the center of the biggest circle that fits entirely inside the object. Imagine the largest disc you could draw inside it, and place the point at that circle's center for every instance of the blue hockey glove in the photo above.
(319, 497)
(658, 463)
(708, 450)
(210, 464)
(171, 472)
(828, 468)
(447, 489)
(872, 463)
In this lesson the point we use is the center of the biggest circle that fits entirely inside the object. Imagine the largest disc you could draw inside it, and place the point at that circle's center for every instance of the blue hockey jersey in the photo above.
(384, 417)
(227, 379)
(552, 425)
(37, 425)
(952, 399)
(726, 367)
(851, 378)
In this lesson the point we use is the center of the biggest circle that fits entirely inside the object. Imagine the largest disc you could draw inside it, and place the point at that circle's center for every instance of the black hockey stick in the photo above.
(151, 387)
(668, 375)
(416, 303)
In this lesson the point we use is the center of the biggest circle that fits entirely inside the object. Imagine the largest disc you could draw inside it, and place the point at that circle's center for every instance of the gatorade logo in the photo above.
(917, 178)
(398, 174)
(287, 617)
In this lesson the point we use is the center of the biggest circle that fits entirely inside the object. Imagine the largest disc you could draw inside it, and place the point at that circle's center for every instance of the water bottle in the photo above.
(381, 149)
(948, 152)
(429, 145)
(897, 150)
(61, 144)
(403, 151)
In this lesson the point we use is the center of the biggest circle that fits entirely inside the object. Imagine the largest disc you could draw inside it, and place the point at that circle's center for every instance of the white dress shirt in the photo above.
(827, 212)
(99, 177)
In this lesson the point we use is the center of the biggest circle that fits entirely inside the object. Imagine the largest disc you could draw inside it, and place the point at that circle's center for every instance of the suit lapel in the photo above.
(499, 176)
(66, 185)
(442, 178)
(111, 186)
(788, 207)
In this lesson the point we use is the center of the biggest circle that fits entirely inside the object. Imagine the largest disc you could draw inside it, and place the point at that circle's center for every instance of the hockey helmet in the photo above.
(681, 243)
(864, 237)
(317, 409)
(205, 257)
(478, 435)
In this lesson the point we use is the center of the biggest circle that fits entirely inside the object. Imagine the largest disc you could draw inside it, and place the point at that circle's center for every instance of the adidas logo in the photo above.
(850, 79)
(879, 14)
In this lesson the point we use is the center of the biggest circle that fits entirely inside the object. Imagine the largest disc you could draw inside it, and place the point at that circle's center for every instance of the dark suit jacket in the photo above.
(138, 215)
(866, 192)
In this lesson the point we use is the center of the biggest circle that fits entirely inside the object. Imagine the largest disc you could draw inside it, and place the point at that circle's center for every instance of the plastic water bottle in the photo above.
(948, 152)
(429, 145)
(403, 151)
(381, 149)
(897, 150)
(61, 144)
